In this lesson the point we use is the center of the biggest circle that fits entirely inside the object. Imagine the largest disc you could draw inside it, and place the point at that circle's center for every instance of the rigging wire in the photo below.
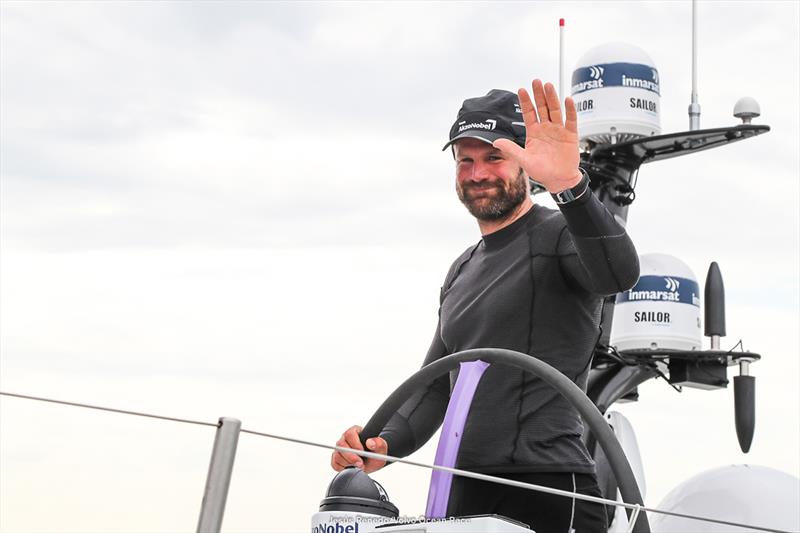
(110, 409)
(464, 473)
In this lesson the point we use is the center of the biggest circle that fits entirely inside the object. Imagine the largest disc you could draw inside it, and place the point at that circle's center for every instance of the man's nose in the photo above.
(480, 172)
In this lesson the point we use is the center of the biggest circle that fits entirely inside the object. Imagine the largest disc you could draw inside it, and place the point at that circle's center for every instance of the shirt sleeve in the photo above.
(419, 418)
(595, 252)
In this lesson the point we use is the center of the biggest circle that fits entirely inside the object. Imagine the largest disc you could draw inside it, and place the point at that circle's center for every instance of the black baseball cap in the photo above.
(488, 118)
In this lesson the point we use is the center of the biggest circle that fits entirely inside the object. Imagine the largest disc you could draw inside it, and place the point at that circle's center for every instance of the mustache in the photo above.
(469, 190)
(484, 185)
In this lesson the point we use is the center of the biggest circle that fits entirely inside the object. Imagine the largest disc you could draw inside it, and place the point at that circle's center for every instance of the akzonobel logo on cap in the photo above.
(488, 124)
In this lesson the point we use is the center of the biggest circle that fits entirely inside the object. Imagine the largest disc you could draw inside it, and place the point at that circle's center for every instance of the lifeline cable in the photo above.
(530, 486)
(111, 410)
(464, 473)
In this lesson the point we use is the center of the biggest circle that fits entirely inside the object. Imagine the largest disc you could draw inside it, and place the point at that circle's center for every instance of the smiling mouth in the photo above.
(480, 192)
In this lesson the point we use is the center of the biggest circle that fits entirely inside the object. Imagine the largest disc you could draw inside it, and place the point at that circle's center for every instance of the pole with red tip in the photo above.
(562, 87)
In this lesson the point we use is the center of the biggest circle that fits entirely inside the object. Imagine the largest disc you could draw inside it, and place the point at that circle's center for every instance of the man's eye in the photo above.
(495, 158)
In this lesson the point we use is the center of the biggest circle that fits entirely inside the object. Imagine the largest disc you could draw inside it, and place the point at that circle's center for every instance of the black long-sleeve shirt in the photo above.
(535, 286)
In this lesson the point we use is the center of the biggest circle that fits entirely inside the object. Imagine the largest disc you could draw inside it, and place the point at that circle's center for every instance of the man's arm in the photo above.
(599, 256)
(419, 418)
(408, 429)
(595, 251)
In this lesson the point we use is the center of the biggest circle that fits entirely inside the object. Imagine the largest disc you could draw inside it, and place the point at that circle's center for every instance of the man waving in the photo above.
(534, 283)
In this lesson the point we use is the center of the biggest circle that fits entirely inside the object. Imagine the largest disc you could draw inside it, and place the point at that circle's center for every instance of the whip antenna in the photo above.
(562, 86)
(694, 107)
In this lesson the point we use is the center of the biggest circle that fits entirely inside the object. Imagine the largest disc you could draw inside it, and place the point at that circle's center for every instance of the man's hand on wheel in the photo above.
(551, 154)
(349, 439)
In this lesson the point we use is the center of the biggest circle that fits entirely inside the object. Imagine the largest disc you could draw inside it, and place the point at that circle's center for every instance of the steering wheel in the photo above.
(424, 377)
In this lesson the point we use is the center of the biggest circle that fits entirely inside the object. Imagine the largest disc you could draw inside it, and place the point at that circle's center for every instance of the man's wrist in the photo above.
(576, 178)
(573, 193)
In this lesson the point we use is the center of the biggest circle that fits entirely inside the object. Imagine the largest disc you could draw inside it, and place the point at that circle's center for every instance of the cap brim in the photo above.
(485, 136)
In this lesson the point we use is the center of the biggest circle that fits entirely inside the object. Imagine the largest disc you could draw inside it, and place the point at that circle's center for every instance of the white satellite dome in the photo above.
(616, 91)
(753, 495)
(662, 311)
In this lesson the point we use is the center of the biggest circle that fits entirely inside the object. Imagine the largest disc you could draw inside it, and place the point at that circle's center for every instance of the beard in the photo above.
(500, 201)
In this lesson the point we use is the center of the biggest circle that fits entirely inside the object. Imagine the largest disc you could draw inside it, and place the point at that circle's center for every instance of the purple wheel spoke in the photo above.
(469, 375)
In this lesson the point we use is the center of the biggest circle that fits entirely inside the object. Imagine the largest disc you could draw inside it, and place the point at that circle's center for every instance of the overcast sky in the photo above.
(242, 210)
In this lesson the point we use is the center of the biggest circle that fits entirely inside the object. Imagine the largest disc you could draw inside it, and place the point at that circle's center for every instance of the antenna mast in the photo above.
(694, 107)
(561, 85)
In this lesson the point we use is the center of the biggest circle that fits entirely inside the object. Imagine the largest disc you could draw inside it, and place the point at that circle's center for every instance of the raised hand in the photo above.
(551, 155)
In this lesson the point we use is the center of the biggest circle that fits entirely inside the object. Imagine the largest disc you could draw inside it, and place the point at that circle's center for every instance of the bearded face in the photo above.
(491, 200)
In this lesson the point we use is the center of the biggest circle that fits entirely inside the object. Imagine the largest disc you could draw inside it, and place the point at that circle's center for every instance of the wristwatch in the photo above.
(569, 195)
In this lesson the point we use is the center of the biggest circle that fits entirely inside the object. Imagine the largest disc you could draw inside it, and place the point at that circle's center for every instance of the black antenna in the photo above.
(715, 305)
(744, 385)
(744, 407)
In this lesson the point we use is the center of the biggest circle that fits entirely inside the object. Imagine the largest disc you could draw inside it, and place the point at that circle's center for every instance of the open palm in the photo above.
(551, 154)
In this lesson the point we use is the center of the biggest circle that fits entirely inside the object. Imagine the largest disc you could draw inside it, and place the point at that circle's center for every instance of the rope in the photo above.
(465, 473)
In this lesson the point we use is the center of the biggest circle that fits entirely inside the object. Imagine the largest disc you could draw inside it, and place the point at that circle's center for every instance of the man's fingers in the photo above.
(349, 439)
(572, 115)
(510, 148)
(351, 458)
(553, 107)
(354, 429)
(377, 445)
(541, 101)
(341, 463)
(352, 439)
(528, 111)
(337, 462)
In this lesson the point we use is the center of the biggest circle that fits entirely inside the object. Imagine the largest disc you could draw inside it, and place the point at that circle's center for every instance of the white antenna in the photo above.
(694, 107)
(562, 86)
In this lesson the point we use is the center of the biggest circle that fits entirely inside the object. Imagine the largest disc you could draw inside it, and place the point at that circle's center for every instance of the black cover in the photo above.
(353, 490)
